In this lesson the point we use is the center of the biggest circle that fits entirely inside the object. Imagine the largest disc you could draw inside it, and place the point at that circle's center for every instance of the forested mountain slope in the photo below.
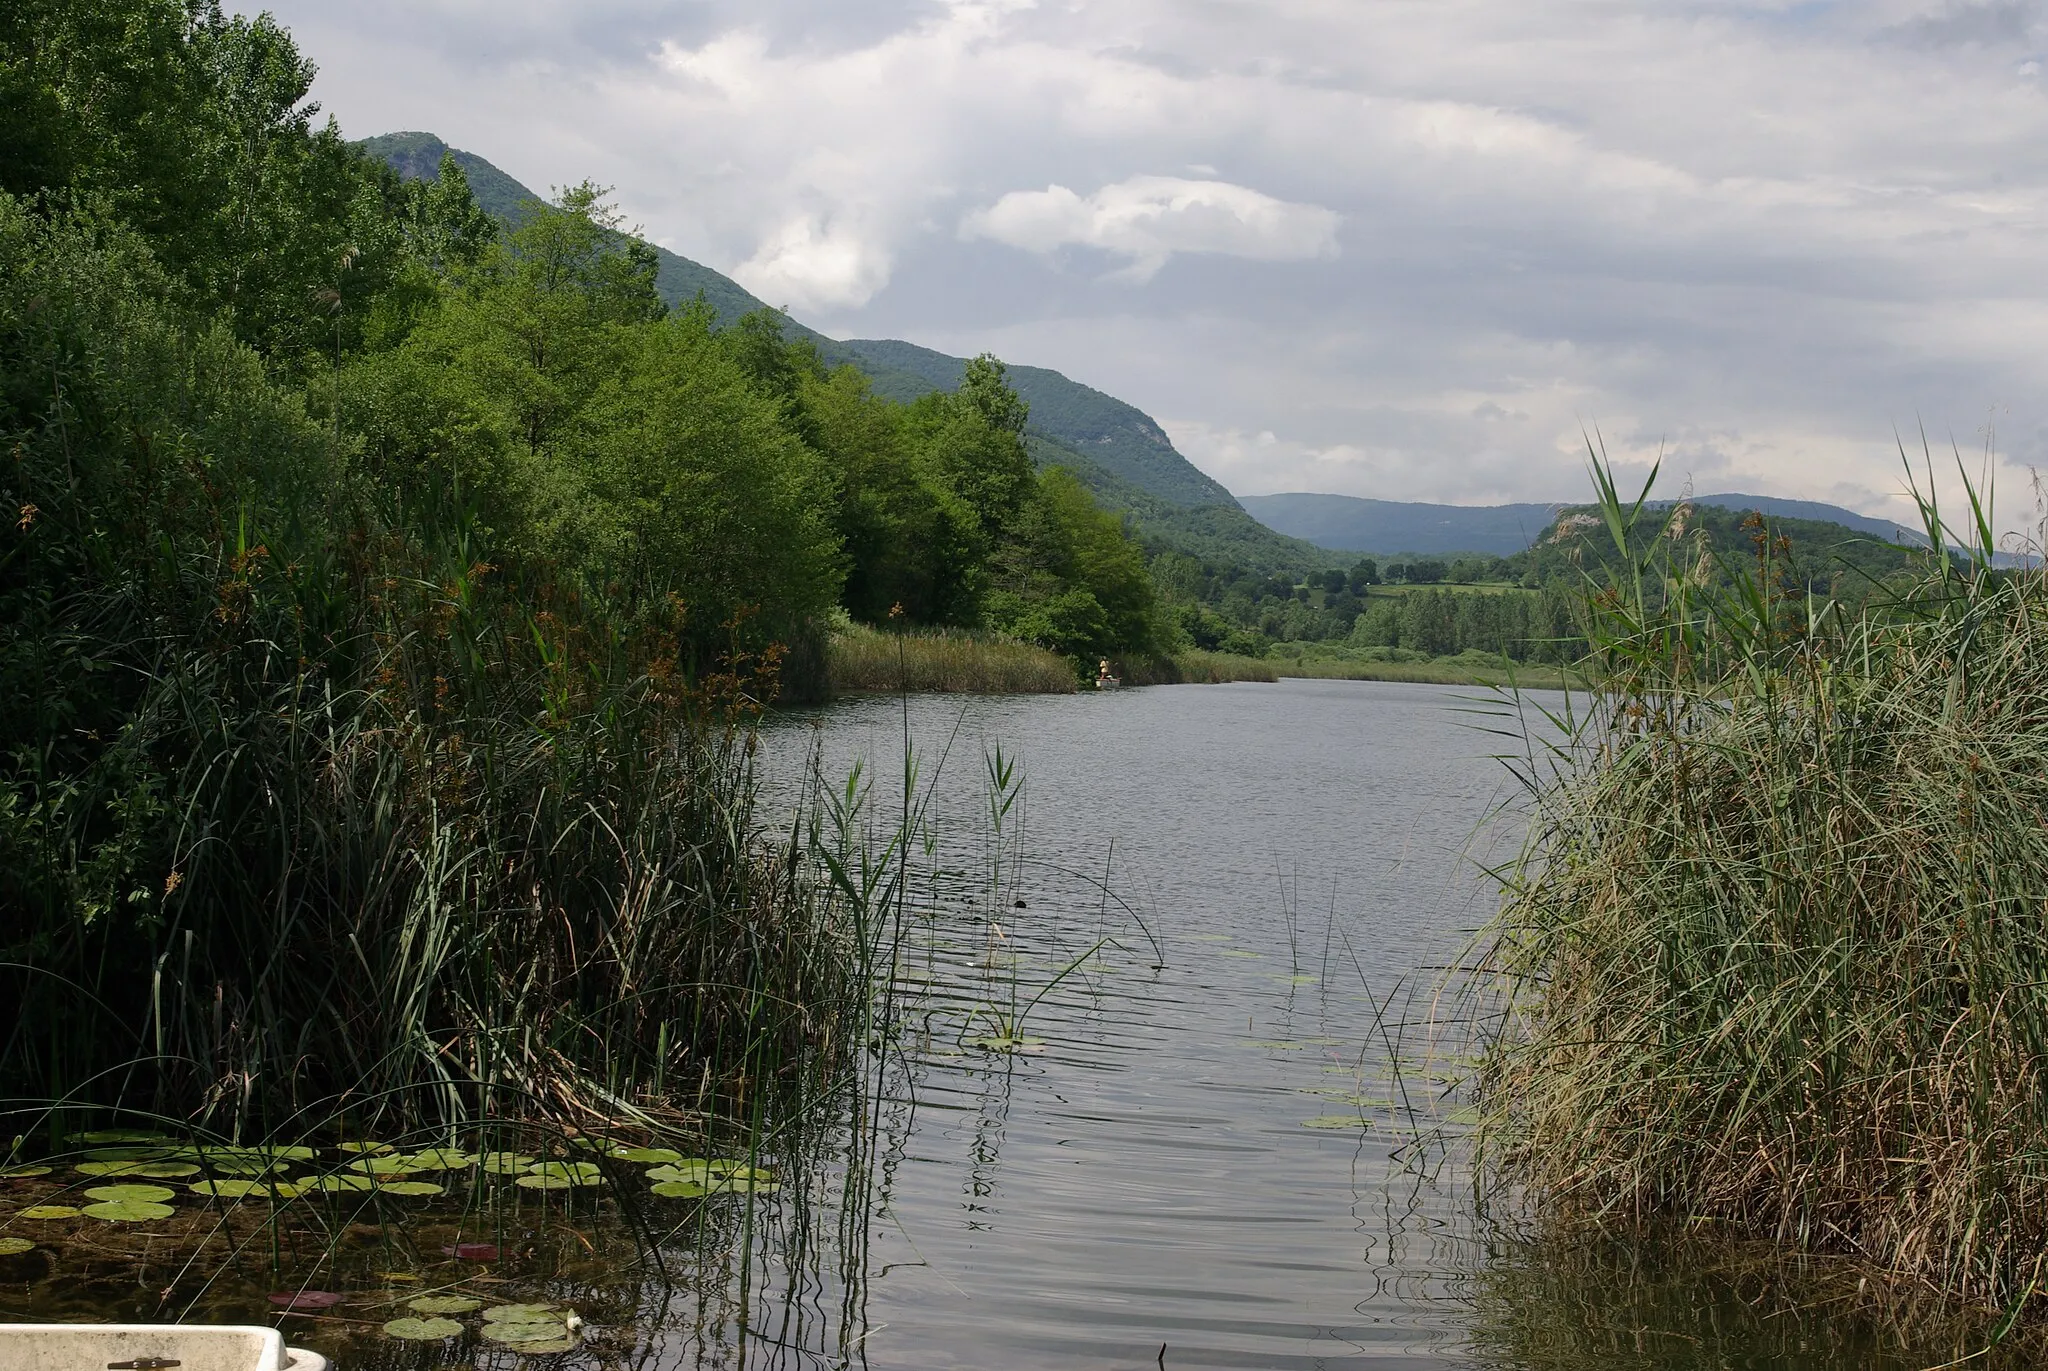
(1117, 450)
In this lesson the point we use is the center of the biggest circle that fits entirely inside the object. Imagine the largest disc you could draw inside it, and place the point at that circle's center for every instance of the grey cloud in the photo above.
(2009, 23)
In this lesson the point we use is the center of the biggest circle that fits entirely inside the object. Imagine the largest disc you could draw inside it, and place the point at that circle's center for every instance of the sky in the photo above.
(1408, 249)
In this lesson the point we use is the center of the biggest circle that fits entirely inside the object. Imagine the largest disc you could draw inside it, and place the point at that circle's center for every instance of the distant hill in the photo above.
(1347, 523)
(1123, 456)
(417, 156)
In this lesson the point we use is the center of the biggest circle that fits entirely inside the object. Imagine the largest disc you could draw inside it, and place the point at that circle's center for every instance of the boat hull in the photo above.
(150, 1347)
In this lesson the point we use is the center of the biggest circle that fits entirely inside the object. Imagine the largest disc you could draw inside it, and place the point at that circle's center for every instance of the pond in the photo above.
(1165, 1088)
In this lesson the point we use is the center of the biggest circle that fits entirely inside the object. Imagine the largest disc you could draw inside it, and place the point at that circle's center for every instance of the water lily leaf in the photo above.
(14, 1247)
(527, 1330)
(682, 1169)
(150, 1194)
(289, 1154)
(410, 1188)
(743, 1185)
(422, 1330)
(648, 1154)
(127, 1211)
(101, 1137)
(1336, 1121)
(541, 1349)
(299, 1300)
(386, 1166)
(680, 1190)
(577, 1173)
(337, 1185)
(23, 1172)
(364, 1148)
(443, 1159)
(504, 1163)
(49, 1211)
(544, 1183)
(131, 1154)
(498, 1313)
(244, 1166)
(740, 1170)
(227, 1190)
(159, 1171)
(444, 1304)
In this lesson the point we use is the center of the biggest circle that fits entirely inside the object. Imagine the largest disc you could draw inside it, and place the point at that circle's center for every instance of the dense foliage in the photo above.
(385, 593)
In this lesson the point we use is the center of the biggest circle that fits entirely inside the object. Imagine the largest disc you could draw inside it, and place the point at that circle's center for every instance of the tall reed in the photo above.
(861, 659)
(1774, 958)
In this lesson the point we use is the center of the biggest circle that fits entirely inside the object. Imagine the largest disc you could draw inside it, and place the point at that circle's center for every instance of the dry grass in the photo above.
(1221, 668)
(861, 659)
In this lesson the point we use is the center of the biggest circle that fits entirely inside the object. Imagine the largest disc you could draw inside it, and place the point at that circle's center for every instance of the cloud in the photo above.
(809, 264)
(1150, 218)
(1764, 233)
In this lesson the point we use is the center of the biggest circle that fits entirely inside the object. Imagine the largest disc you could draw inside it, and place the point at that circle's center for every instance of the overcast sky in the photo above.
(1399, 248)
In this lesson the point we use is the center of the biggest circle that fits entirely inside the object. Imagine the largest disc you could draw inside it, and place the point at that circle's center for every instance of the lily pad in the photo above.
(410, 1188)
(502, 1312)
(158, 1171)
(22, 1173)
(1336, 1121)
(576, 1173)
(297, 1301)
(443, 1159)
(148, 1194)
(227, 1190)
(101, 1137)
(386, 1166)
(245, 1166)
(524, 1331)
(504, 1163)
(444, 1304)
(366, 1149)
(682, 1169)
(544, 1183)
(422, 1330)
(14, 1247)
(744, 1185)
(49, 1211)
(130, 1154)
(338, 1185)
(648, 1154)
(127, 1211)
(542, 1349)
(681, 1190)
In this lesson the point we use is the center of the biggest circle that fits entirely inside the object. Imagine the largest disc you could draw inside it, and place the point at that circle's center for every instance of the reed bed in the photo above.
(861, 659)
(1774, 958)
(1221, 668)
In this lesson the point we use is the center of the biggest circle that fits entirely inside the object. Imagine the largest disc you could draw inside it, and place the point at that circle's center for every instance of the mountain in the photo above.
(1347, 523)
(417, 157)
(1117, 450)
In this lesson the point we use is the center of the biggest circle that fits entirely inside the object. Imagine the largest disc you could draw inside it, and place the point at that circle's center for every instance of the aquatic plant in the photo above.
(1773, 956)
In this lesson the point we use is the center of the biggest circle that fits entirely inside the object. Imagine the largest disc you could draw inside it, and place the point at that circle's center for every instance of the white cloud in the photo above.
(1149, 218)
(807, 264)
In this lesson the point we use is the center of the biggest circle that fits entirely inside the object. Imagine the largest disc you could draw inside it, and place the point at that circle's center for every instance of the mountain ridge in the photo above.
(1356, 524)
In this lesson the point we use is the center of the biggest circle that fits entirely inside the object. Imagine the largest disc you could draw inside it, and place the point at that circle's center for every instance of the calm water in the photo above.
(1200, 1154)
(1211, 922)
